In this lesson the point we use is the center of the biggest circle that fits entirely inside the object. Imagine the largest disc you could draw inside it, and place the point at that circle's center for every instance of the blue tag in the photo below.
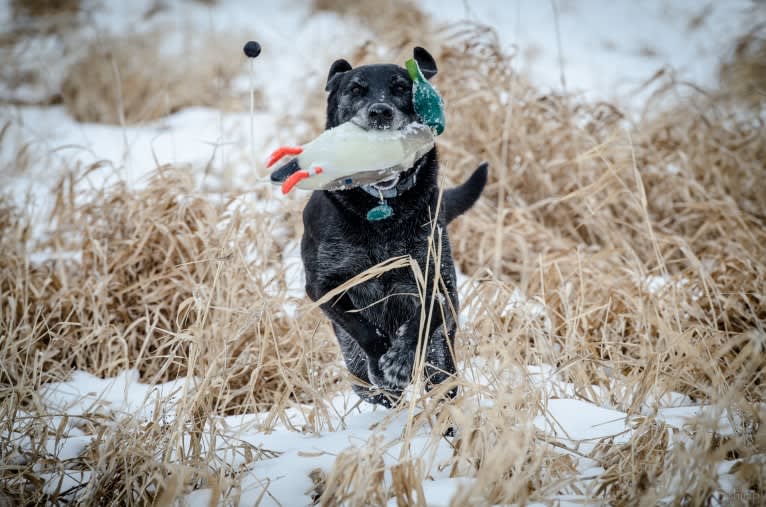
(380, 212)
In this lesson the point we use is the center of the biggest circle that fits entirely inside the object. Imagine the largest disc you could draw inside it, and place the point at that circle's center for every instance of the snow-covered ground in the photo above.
(603, 49)
(283, 477)
(607, 50)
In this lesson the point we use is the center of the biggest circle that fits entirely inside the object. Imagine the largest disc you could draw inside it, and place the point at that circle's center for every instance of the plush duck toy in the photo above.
(348, 156)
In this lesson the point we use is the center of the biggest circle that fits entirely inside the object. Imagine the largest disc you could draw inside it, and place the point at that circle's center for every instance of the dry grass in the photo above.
(397, 24)
(29, 65)
(582, 207)
(129, 80)
(117, 79)
(743, 74)
(164, 285)
(44, 8)
(162, 271)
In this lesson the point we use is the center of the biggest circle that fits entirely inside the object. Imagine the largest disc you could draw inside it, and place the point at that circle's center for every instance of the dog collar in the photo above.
(401, 186)
(383, 210)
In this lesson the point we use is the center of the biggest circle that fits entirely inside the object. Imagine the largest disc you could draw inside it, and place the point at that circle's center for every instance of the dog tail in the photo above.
(458, 200)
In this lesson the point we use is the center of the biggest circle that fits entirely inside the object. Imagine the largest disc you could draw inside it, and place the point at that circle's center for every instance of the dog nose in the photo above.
(380, 115)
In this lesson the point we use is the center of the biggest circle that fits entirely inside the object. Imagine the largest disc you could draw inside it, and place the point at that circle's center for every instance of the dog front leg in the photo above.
(397, 363)
(371, 339)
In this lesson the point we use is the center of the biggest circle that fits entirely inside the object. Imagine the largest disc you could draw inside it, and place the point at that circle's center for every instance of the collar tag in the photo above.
(380, 212)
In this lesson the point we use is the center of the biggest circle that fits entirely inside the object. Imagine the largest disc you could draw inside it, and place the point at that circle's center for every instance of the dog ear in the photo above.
(425, 61)
(337, 67)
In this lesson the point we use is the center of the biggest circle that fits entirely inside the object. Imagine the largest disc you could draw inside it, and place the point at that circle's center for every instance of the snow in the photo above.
(65, 481)
(658, 285)
(576, 423)
(607, 50)
(123, 394)
(579, 420)
(287, 475)
(439, 492)
(192, 136)
(712, 418)
(199, 498)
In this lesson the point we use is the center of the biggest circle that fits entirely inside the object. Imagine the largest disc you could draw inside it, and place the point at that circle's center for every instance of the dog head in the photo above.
(374, 96)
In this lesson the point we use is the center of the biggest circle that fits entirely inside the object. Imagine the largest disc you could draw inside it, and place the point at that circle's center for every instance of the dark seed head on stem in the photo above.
(252, 49)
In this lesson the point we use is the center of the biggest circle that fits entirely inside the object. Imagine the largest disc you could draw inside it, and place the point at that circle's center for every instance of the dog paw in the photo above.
(396, 365)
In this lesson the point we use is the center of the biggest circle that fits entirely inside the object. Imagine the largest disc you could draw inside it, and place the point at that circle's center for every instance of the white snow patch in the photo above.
(46, 255)
(608, 50)
(673, 168)
(709, 417)
(577, 420)
(122, 395)
(199, 498)
(657, 284)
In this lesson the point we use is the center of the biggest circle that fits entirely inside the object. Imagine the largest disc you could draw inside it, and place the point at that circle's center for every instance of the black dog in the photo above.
(377, 322)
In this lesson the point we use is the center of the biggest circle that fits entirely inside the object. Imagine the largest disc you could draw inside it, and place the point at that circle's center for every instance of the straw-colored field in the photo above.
(614, 258)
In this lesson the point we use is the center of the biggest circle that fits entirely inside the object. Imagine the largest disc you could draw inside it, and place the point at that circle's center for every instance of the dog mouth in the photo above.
(369, 126)
(398, 122)
(387, 184)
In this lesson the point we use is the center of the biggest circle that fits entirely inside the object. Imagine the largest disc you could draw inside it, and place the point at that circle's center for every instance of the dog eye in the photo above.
(356, 90)
(401, 88)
